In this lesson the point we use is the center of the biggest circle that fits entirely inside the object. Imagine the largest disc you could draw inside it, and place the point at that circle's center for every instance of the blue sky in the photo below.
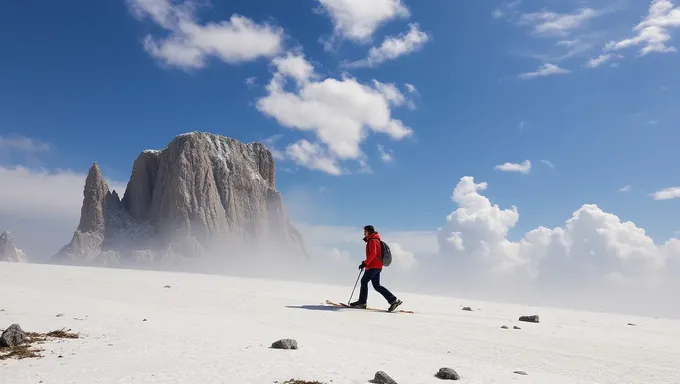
(76, 76)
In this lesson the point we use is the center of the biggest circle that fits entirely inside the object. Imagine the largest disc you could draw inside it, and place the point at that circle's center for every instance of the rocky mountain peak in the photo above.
(204, 194)
(8, 251)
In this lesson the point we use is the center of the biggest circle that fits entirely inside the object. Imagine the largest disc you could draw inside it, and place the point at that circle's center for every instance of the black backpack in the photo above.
(386, 254)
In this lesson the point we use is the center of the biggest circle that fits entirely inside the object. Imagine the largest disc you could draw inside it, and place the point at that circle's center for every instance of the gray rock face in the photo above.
(12, 336)
(529, 319)
(285, 344)
(447, 374)
(9, 252)
(204, 196)
(383, 378)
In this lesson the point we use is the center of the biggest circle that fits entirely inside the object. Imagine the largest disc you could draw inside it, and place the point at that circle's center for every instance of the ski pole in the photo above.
(355, 287)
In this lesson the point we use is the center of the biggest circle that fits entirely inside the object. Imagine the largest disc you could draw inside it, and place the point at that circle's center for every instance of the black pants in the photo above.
(373, 275)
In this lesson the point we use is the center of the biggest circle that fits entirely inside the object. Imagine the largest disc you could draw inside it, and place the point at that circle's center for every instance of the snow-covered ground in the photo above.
(215, 329)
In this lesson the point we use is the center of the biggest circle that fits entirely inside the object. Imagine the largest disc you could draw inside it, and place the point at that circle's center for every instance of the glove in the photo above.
(362, 265)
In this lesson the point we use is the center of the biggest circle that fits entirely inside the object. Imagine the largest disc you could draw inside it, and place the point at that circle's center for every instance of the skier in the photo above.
(372, 267)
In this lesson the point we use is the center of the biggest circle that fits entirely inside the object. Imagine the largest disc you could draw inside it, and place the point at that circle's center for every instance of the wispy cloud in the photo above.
(544, 70)
(22, 143)
(393, 47)
(625, 188)
(667, 194)
(548, 163)
(522, 168)
(556, 24)
(386, 156)
(602, 59)
(652, 33)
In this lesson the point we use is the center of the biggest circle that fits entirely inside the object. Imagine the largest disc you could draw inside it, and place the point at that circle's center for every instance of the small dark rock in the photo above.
(144, 320)
(529, 319)
(383, 378)
(516, 327)
(447, 374)
(504, 326)
(59, 315)
(167, 286)
(520, 373)
(631, 324)
(467, 309)
(12, 336)
(285, 344)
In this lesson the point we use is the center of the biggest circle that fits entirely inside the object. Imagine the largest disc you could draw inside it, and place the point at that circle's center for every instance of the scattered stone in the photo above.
(447, 374)
(504, 326)
(516, 327)
(12, 336)
(167, 286)
(285, 344)
(467, 309)
(60, 357)
(529, 319)
(520, 373)
(383, 378)
(60, 315)
(144, 320)
(631, 324)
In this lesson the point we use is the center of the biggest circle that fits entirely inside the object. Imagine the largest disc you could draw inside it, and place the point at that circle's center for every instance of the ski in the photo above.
(343, 305)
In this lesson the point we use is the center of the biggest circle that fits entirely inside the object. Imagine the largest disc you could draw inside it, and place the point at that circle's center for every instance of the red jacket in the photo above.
(373, 251)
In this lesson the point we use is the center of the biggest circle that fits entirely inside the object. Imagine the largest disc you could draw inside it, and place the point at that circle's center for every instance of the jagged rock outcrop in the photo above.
(9, 252)
(204, 196)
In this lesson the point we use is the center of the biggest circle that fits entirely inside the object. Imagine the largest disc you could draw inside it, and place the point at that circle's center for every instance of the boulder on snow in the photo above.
(12, 336)
(504, 326)
(529, 319)
(516, 327)
(383, 378)
(285, 344)
(467, 309)
(447, 374)
(520, 373)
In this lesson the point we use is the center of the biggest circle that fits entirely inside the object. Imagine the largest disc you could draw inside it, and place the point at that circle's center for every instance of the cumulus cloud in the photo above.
(189, 43)
(357, 20)
(385, 155)
(593, 250)
(393, 47)
(522, 168)
(544, 70)
(652, 33)
(340, 113)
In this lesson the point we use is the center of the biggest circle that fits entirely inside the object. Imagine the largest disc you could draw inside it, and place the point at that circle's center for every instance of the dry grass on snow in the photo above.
(28, 349)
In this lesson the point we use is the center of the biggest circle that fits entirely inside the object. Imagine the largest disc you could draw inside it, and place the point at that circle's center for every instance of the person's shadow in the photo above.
(316, 307)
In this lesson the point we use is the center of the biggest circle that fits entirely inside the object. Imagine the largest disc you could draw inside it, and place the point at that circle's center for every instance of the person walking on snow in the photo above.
(372, 267)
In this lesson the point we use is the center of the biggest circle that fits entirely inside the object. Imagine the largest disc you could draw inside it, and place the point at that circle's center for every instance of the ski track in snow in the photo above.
(216, 329)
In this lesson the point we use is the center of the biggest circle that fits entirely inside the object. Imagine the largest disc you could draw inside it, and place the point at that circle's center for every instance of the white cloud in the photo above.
(602, 59)
(667, 194)
(552, 23)
(522, 168)
(411, 88)
(548, 163)
(625, 188)
(189, 44)
(393, 47)
(313, 156)
(251, 82)
(593, 249)
(23, 144)
(357, 20)
(545, 70)
(40, 193)
(386, 156)
(652, 32)
(339, 112)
